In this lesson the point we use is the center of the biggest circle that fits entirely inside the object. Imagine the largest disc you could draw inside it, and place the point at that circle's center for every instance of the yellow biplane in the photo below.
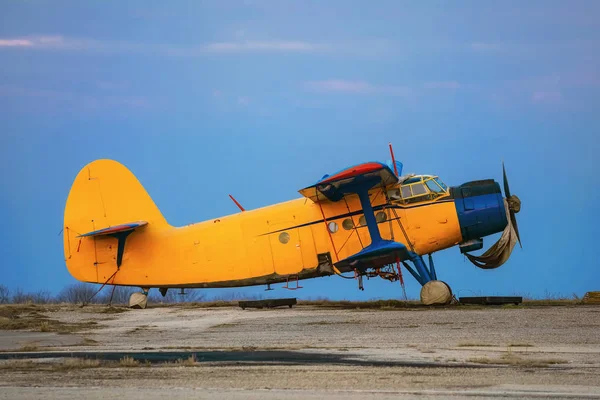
(366, 220)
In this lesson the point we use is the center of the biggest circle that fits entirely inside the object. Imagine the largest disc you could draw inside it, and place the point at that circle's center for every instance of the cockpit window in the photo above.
(434, 187)
(441, 184)
(418, 188)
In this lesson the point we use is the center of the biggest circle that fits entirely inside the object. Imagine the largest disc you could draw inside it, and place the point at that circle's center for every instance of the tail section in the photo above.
(105, 194)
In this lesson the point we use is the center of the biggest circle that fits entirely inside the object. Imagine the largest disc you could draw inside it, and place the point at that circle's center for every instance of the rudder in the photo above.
(104, 194)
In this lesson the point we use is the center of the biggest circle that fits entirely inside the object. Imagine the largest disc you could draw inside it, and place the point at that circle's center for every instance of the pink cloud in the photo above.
(15, 43)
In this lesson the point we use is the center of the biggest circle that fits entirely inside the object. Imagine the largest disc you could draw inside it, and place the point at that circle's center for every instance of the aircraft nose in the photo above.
(480, 208)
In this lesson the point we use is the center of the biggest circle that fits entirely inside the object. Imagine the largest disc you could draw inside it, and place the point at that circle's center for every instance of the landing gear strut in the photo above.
(433, 292)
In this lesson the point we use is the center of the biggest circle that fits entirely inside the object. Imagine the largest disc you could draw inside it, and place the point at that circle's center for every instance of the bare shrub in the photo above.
(20, 297)
(120, 295)
(233, 296)
(4, 295)
(41, 297)
(174, 295)
(77, 293)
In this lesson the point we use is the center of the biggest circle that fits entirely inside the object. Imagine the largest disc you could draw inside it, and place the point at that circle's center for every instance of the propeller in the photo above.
(514, 204)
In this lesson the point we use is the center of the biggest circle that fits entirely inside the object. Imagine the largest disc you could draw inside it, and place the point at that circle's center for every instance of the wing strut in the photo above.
(327, 227)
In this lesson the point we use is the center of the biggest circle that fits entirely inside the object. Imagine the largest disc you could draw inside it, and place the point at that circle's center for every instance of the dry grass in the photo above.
(552, 302)
(515, 360)
(29, 317)
(206, 304)
(225, 325)
(77, 363)
(128, 362)
(476, 344)
(29, 347)
(45, 326)
(16, 365)
(141, 328)
(191, 361)
(323, 322)
(371, 304)
(114, 310)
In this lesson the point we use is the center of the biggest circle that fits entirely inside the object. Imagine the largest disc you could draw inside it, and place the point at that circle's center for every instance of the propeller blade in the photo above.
(513, 219)
(506, 188)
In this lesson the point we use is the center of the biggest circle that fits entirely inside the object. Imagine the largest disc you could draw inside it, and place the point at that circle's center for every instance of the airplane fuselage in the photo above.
(298, 238)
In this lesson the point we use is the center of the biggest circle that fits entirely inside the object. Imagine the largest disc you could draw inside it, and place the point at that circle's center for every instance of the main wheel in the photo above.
(436, 293)
(138, 300)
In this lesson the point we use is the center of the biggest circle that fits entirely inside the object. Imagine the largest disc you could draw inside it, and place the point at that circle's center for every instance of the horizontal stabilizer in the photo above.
(111, 230)
(376, 255)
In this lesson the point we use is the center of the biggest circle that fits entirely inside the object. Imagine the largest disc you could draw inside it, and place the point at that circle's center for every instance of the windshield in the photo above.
(442, 184)
(418, 188)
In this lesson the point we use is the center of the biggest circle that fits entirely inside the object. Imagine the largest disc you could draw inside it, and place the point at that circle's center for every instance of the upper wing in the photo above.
(334, 187)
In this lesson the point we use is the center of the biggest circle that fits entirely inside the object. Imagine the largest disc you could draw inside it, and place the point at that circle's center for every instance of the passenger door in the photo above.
(286, 248)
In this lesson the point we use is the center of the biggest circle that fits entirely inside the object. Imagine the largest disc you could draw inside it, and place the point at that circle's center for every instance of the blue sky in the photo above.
(261, 98)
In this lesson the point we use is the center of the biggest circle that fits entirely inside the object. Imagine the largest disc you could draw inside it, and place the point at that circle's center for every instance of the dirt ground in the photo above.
(307, 352)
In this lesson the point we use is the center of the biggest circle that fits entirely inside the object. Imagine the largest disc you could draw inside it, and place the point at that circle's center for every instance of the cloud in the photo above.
(450, 85)
(36, 42)
(63, 43)
(547, 97)
(264, 46)
(15, 43)
(44, 98)
(356, 87)
(243, 100)
(482, 46)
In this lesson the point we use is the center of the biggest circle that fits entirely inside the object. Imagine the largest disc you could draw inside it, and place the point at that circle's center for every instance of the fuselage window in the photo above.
(380, 217)
(362, 221)
(348, 224)
(284, 237)
(333, 227)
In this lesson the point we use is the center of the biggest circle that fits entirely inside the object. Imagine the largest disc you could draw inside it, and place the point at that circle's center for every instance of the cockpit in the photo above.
(417, 188)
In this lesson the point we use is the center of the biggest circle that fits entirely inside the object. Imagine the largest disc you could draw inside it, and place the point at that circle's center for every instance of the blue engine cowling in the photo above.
(480, 208)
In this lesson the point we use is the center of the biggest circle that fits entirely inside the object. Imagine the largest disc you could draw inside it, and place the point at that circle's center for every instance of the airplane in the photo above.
(366, 220)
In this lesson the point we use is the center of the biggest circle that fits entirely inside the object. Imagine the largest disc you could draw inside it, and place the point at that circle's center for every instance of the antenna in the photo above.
(237, 204)
(393, 159)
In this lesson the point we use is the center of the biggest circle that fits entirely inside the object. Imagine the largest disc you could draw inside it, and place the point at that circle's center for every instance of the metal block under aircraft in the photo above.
(366, 220)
